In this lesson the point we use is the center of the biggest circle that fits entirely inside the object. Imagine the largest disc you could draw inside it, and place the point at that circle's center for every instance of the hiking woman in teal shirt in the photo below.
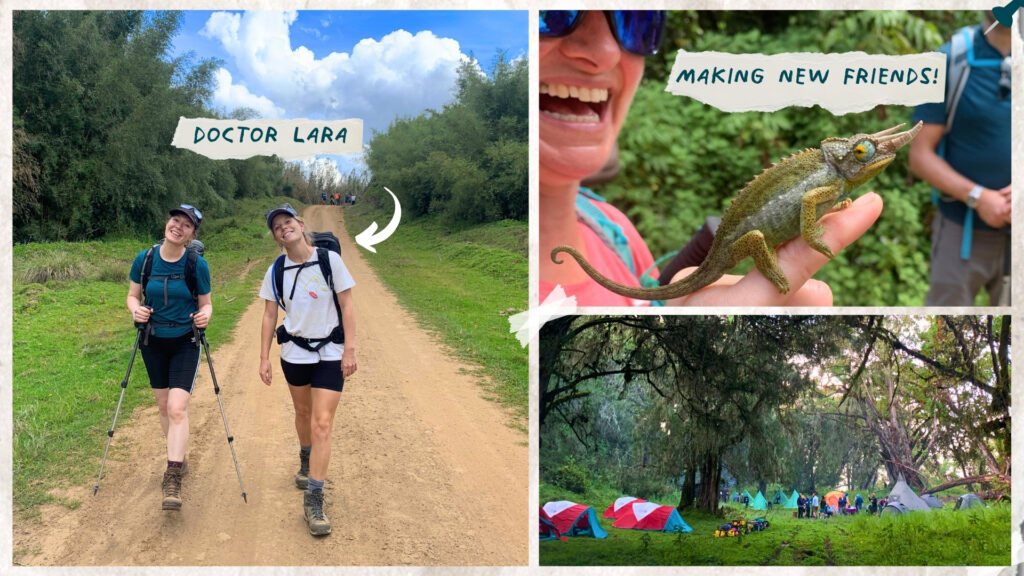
(169, 308)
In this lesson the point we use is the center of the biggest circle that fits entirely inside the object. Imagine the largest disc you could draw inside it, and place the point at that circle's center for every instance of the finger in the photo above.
(799, 261)
(813, 293)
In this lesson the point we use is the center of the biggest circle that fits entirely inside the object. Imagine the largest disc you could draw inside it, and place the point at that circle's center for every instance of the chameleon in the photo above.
(785, 201)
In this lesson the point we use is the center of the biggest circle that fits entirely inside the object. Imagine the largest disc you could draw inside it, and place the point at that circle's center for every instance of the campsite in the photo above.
(705, 440)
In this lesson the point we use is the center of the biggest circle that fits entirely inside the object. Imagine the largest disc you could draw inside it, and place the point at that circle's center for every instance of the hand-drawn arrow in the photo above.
(367, 238)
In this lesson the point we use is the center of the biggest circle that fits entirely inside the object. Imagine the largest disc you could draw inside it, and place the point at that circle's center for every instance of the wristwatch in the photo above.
(973, 196)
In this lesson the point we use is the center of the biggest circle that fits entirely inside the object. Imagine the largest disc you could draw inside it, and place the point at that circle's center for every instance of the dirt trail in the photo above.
(423, 470)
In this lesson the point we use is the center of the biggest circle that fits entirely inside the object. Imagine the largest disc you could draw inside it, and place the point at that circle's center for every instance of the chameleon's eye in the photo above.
(864, 150)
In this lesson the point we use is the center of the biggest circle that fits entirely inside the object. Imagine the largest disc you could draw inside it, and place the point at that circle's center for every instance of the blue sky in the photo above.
(374, 65)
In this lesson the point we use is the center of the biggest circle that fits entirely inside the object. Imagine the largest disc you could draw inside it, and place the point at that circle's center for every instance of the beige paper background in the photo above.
(6, 7)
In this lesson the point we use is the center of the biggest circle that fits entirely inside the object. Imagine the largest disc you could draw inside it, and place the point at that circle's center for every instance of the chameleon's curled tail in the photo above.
(699, 279)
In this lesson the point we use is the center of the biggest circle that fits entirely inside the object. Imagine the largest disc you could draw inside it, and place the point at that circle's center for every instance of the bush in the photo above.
(58, 265)
(572, 476)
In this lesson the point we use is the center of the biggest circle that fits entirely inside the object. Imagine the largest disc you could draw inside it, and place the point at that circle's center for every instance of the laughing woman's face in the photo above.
(586, 86)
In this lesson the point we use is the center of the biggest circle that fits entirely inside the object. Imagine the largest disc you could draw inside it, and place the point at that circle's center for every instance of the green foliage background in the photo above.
(96, 102)
(683, 160)
(97, 99)
(468, 163)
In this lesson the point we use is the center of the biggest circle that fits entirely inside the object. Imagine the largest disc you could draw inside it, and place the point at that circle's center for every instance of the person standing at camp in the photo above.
(318, 348)
(873, 506)
(964, 152)
(814, 504)
(858, 502)
(801, 505)
(163, 302)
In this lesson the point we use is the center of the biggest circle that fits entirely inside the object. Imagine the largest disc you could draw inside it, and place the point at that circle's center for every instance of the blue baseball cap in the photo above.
(282, 209)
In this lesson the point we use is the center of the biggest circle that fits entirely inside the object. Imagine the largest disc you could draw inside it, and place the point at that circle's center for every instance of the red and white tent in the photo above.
(572, 519)
(618, 507)
(651, 516)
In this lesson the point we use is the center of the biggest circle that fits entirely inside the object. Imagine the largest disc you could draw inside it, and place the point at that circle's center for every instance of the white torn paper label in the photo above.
(290, 139)
(840, 83)
(554, 306)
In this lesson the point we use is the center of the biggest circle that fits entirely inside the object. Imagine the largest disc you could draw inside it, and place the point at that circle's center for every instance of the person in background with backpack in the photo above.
(169, 293)
(317, 346)
(591, 63)
(963, 151)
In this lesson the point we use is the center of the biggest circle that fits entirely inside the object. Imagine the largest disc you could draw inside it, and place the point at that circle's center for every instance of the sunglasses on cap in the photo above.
(637, 31)
(190, 212)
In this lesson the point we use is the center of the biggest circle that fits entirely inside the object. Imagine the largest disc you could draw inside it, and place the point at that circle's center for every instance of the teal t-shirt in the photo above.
(979, 144)
(180, 304)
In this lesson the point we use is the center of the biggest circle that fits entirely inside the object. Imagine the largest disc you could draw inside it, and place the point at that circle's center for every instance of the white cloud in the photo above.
(400, 75)
(228, 97)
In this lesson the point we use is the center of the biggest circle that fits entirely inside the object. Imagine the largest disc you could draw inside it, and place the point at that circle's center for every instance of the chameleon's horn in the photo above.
(890, 142)
(888, 131)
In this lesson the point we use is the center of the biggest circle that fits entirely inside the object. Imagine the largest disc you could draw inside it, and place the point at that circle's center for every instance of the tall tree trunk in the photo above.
(710, 478)
(689, 490)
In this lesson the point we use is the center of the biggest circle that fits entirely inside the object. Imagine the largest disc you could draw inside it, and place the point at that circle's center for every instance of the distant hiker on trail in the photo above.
(318, 347)
(323, 197)
(168, 305)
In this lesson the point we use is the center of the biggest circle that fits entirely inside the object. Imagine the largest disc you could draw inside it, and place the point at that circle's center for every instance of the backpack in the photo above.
(961, 60)
(612, 236)
(193, 252)
(324, 243)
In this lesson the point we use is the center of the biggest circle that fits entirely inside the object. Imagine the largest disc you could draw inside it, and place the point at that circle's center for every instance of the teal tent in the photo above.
(791, 501)
(759, 503)
(747, 496)
(779, 498)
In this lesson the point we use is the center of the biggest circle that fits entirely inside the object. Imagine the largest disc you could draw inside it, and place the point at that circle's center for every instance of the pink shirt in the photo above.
(607, 261)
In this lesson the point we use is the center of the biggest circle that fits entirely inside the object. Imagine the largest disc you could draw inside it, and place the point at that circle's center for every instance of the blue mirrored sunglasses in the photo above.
(194, 210)
(637, 31)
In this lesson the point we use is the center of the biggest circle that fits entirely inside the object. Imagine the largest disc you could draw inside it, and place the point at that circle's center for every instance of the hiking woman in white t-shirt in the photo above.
(317, 350)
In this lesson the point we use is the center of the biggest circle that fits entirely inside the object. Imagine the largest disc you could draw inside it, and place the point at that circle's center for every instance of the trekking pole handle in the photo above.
(141, 325)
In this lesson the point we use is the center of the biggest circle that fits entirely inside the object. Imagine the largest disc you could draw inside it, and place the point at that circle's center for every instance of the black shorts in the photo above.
(171, 362)
(324, 374)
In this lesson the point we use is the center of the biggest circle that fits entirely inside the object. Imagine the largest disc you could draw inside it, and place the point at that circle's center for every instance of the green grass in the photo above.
(463, 286)
(73, 337)
(978, 537)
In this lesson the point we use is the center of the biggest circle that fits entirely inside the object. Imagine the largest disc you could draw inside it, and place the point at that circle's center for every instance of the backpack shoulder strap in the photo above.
(323, 258)
(609, 232)
(191, 280)
(961, 55)
(147, 268)
(277, 281)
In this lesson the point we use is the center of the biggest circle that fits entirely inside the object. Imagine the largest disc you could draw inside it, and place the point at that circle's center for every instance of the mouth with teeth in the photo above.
(573, 103)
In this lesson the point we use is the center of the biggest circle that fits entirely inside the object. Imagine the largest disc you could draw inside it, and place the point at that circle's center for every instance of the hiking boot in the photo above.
(302, 476)
(172, 489)
(313, 512)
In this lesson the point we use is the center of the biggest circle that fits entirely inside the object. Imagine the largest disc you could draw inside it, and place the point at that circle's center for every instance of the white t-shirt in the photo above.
(310, 313)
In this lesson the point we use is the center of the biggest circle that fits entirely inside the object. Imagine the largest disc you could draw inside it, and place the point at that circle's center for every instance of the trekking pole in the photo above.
(201, 338)
(124, 385)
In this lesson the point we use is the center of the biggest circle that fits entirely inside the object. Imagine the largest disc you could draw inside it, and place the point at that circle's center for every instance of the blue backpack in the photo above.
(961, 60)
